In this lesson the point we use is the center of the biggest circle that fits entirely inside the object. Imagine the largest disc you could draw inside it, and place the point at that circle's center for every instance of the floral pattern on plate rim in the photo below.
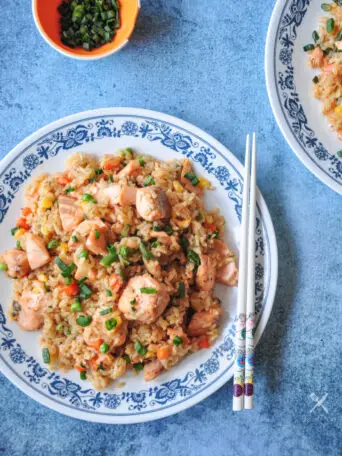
(77, 134)
(291, 18)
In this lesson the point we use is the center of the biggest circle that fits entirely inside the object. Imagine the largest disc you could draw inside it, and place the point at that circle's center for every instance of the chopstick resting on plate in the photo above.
(243, 387)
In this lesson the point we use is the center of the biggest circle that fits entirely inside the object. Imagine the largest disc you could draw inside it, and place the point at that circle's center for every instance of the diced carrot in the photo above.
(94, 363)
(26, 211)
(72, 290)
(210, 226)
(80, 368)
(63, 180)
(95, 344)
(164, 352)
(204, 343)
(22, 223)
(115, 282)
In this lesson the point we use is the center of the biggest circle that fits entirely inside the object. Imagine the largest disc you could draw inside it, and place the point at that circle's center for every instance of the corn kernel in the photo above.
(209, 219)
(19, 233)
(36, 290)
(44, 230)
(42, 278)
(204, 183)
(150, 354)
(84, 204)
(183, 223)
(338, 110)
(178, 187)
(46, 203)
(118, 322)
(63, 247)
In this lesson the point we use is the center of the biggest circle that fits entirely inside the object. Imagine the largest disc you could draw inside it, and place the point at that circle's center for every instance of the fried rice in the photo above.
(116, 261)
(325, 55)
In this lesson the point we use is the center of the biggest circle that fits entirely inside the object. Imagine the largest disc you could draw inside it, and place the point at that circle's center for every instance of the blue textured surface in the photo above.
(203, 63)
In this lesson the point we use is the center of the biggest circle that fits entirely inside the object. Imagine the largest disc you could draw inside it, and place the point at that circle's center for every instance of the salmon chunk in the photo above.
(32, 305)
(96, 242)
(37, 253)
(71, 215)
(129, 169)
(205, 276)
(17, 262)
(201, 322)
(153, 204)
(123, 195)
(228, 274)
(144, 299)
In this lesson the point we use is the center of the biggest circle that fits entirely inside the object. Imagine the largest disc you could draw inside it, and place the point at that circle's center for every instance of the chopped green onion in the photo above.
(85, 291)
(339, 36)
(132, 303)
(155, 244)
(66, 270)
(184, 242)
(104, 348)
(192, 256)
(46, 288)
(46, 355)
(83, 376)
(111, 324)
(98, 171)
(14, 230)
(330, 25)
(106, 311)
(139, 348)
(109, 293)
(315, 36)
(168, 229)
(83, 254)
(53, 244)
(145, 251)
(141, 161)
(149, 181)
(126, 358)
(84, 320)
(107, 260)
(178, 341)
(308, 47)
(138, 366)
(69, 189)
(18, 245)
(88, 198)
(339, 153)
(181, 290)
(76, 306)
(97, 234)
(110, 178)
(125, 230)
(148, 290)
(68, 280)
(3, 267)
(74, 238)
(326, 7)
(200, 216)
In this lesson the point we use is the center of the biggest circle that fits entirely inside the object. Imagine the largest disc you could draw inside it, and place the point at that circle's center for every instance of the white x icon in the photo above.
(319, 402)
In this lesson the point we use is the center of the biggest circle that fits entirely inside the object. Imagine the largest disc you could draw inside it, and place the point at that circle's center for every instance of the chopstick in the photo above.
(244, 337)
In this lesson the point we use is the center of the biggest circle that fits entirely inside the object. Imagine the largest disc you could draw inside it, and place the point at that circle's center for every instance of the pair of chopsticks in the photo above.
(244, 336)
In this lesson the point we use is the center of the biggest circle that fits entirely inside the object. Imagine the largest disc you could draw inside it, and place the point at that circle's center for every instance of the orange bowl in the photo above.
(46, 17)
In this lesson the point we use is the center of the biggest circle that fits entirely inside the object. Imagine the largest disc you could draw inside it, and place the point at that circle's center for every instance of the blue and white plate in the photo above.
(197, 376)
(289, 85)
